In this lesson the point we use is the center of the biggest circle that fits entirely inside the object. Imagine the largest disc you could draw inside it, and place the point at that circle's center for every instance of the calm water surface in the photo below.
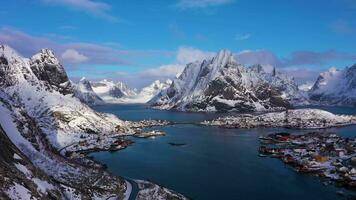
(215, 163)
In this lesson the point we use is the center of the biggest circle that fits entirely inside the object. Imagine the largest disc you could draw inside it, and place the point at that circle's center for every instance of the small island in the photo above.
(295, 119)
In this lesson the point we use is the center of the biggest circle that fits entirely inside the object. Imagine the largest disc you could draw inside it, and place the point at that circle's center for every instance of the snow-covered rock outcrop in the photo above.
(298, 119)
(85, 93)
(335, 87)
(112, 92)
(221, 84)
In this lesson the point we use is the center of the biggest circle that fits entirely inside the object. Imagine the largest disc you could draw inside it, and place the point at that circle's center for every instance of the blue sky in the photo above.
(140, 41)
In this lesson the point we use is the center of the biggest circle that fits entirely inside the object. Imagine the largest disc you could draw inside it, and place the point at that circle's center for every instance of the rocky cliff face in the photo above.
(47, 68)
(221, 84)
(335, 87)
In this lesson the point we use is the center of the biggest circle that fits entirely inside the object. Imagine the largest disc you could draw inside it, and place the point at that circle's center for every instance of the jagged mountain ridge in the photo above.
(335, 87)
(221, 84)
(100, 92)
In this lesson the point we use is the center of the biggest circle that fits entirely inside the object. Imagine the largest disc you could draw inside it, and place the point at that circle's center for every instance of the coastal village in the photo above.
(323, 154)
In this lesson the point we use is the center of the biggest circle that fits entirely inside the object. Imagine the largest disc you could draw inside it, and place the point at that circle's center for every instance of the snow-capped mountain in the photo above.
(335, 87)
(221, 84)
(45, 132)
(85, 93)
(42, 118)
(147, 92)
(112, 92)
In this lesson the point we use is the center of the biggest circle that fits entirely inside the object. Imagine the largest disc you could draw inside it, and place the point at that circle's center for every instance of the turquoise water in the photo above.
(215, 163)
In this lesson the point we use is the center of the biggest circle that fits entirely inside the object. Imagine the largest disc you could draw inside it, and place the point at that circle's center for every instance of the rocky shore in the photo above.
(295, 119)
(322, 154)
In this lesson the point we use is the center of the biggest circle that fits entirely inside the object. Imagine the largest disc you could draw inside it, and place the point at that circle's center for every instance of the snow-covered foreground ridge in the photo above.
(298, 119)
(221, 84)
(48, 126)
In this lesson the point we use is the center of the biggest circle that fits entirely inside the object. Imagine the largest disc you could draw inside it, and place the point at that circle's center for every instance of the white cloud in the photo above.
(302, 75)
(189, 54)
(263, 57)
(168, 71)
(108, 54)
(73, 56)
(241, 37)
(96, 8)
(201, 3)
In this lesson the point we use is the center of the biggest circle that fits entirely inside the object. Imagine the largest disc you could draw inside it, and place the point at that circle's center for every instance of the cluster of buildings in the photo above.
(323, 154)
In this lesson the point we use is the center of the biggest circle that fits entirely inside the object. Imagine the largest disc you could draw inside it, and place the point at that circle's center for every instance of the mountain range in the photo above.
(96, 93)
(221, 84)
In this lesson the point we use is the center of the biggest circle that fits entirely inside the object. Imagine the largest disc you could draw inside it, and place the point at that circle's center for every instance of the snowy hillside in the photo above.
(112, 92)
(221, 84)
(85, 93)
(46, 131)
(335, 87)
(40, 116)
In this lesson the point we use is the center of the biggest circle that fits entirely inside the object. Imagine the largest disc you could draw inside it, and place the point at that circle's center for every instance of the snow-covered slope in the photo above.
(45, 131)
(335, 87)
(221, 84)
(112, 92)
(42, 119)
(19, 178)
(85, 93)
(42, 87)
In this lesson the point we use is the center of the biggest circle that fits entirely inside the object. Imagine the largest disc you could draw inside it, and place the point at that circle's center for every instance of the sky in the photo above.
(138, 41)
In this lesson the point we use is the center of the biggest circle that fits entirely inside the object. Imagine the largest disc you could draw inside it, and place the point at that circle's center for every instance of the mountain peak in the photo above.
(223, 57)
(45, 56)
(8, 52)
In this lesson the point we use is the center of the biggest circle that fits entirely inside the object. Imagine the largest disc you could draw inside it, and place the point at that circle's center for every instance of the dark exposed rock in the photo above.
(47, 68)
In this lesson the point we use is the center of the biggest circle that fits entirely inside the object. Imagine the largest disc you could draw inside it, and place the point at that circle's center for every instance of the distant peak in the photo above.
(83, 79)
